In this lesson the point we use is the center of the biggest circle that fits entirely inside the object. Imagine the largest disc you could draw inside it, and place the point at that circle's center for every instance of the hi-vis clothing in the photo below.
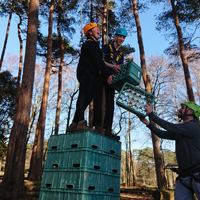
(114, 57)
(111, 55)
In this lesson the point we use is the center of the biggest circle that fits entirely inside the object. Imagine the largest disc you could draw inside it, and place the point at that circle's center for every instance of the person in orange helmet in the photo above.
(90, 63)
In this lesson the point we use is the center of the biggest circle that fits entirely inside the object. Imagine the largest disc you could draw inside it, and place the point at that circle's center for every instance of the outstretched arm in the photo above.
(182, 129)
(158, 132)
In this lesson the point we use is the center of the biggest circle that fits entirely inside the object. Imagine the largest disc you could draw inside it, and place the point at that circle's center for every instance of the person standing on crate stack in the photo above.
(114, 59)
(90, 63)
(187, 138)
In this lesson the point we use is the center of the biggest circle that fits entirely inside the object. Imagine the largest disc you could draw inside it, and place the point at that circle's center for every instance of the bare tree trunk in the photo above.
(127, 183)
(91, 11)
(35, 172)
(103, 43)
(70, 108)
(132, 168)
(59, 75)
(161, 180)
(20, 64)
(7, 32)
(104, 21)
(12, 186)
(183, 56)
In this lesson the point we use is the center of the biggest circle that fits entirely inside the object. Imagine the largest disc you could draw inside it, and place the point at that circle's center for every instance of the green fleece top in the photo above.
(187, 137)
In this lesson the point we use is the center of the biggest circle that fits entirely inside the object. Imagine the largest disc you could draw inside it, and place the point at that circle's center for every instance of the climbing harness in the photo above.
(111, 55)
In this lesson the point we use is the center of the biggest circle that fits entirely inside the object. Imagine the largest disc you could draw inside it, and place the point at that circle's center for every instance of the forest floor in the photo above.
(132, 193)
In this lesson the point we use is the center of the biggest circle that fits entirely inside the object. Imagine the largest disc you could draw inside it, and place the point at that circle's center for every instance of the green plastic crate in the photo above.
(111, 146)
(73, 140)
(81, 139)
(114, 165)
(110, 184)
(50, 179)
(87, 159)
(56, 142)
(134, 99)
(130, 73)
(56, 159)
(80, 181)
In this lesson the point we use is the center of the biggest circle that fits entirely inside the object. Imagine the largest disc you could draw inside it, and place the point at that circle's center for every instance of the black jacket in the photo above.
(91, 60)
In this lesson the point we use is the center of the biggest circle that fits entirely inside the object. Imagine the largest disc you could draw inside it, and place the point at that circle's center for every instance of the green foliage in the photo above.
(146, 166)
(188, 13)
(42, 51)
(169, 157)
(7, 104)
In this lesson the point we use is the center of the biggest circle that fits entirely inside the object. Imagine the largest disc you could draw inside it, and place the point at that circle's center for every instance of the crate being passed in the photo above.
(130, 72)
(134, 99)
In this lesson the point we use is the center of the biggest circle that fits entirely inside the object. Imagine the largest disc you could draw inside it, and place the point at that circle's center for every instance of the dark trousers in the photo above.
(87, 89)
(109, 105)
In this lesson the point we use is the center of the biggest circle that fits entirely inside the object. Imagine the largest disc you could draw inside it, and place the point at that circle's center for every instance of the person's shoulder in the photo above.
(192, 123)
(105, 47)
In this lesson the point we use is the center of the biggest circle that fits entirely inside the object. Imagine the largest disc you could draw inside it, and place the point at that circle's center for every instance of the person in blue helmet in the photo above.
(114, 59)
(187, 141)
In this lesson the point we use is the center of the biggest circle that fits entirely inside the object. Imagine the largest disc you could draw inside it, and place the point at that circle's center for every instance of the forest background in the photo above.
(168, 82)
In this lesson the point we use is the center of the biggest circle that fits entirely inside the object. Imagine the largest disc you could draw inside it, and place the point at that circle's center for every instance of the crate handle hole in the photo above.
(55, 165)
(94, 147)
(76, 165)
(91, 187)
(48, 185)
(114, 171)
(74, 145)
(112, 151)
(70, 186)
(110, 190)
(96, 167)
(54, 147)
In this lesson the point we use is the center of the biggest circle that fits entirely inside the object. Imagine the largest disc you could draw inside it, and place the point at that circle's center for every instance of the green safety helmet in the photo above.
(194, 107)
(121, 31)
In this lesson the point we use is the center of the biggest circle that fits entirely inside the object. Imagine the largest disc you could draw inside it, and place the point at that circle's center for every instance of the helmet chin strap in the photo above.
(184, 115)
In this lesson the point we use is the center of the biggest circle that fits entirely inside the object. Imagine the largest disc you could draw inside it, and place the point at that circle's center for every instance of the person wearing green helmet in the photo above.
(187, 141)
(114, 59)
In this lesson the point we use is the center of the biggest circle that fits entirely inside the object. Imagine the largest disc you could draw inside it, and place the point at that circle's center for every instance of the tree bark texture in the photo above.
(59, 76)
(132, 168)
(20, 64)
(183, 56)
(12, 186)
(161, 180)
(35, 172)
(104, 22)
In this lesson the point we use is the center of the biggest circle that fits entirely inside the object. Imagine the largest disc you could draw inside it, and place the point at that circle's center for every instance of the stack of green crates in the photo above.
(130, 72)
(134, 99)
(81, 165)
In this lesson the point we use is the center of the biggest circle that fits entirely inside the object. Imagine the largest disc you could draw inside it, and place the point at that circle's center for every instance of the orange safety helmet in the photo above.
(88, 26)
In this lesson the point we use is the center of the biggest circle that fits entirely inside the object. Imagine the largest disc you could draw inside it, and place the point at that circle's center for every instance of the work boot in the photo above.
(82, 126)
(108, 132)
(72, 127)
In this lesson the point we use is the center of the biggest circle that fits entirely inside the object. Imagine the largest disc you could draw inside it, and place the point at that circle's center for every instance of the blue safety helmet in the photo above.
(121, 31)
